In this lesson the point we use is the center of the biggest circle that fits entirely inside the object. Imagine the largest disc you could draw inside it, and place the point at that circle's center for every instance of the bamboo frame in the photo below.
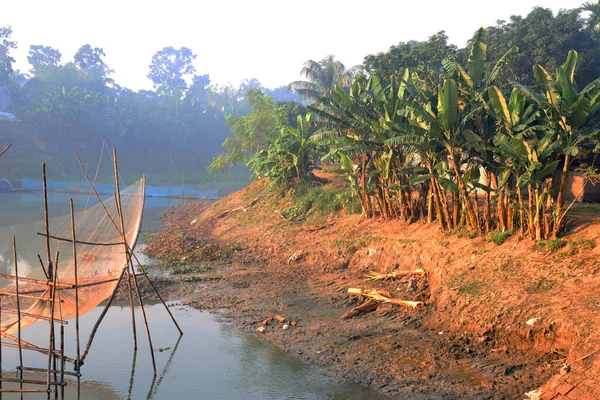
(130, 265)
(55, 370)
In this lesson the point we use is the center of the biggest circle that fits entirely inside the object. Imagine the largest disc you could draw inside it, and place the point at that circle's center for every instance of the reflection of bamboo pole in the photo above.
(129, 291)
(157, 293)
(29, 346)
(69, 373)
(100, 318)
(14, 243)
(37, 281)
(154, 389)
(36, 316)
(129, 263)
(23, 391)
(75, 267)
(132, 376)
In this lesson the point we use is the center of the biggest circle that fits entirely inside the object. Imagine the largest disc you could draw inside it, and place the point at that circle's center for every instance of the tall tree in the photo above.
(6, 60)
(90, 64)
(593, 21)
(42, 56)
(411, 54)
(322, 76)
(169, 70)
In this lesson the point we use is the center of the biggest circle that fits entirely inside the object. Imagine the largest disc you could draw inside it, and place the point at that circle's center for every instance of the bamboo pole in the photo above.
(25, 296)
(62, 362)
(43, 268)
(75, 272)
(5, 149)
(129, 263)
(115, 225)
(50, 272)
(157, 293)
(38, 281)
(100, 318)
(14, 243)
(52, 346)
(81, 241)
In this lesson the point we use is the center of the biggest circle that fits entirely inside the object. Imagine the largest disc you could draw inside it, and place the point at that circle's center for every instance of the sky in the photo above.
(241, 39)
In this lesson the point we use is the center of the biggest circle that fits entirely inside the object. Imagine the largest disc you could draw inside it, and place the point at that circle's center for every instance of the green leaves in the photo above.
(478, 56)
(448, 104)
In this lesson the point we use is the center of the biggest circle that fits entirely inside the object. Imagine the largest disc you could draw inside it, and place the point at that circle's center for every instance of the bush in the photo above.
(555, 244)
(499, 237)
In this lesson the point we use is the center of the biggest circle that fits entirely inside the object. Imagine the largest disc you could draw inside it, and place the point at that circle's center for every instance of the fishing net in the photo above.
(100, 261)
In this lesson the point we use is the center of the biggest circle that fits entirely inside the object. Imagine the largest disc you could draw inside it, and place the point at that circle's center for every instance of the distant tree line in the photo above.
(60, 104)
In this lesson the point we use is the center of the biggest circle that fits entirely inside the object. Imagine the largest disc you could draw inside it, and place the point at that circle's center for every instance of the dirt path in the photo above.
(498, 321)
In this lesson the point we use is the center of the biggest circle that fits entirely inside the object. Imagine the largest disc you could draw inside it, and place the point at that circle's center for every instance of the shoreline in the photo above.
(471, 340)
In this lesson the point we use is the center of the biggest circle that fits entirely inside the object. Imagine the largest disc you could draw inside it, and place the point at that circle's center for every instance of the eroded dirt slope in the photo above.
(498, 321)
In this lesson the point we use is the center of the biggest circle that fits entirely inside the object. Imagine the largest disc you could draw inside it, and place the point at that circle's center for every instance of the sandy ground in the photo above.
(497, 321)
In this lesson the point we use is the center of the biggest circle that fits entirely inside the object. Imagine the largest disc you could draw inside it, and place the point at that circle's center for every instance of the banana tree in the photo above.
(355, 125)
(473, 81)
(568, 112)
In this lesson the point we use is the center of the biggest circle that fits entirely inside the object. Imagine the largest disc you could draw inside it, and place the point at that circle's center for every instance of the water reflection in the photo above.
(211, 361)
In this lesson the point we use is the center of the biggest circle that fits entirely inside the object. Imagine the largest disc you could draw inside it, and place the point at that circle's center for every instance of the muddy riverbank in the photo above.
(498, 321)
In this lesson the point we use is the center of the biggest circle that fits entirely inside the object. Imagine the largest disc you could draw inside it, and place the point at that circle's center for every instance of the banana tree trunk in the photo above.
(560, 199)
(471, 217)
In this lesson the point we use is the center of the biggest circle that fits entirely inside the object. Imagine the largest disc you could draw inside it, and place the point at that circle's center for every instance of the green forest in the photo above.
(479, 138)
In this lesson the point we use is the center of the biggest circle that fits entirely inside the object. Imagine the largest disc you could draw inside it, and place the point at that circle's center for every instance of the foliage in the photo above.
(411, 55)
(321, 77)
(555, 244)
(499, 237)
(253, 132)
(432, 145)
(6, 60)
(169, 69)
(290, 157)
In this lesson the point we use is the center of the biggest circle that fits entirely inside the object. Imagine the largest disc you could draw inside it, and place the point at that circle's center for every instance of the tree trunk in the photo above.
(560, 199)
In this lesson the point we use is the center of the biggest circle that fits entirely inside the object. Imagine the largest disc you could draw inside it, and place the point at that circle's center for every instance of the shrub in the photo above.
(555, 244)
(499, 237)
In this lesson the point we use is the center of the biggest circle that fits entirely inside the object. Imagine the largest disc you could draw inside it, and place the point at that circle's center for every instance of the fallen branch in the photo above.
(314, 228)
(376, 276)
(226, 213)
(384, 297)
(368, 306)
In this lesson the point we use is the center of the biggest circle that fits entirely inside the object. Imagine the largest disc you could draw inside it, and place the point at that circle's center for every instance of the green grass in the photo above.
(555, 244)
(190, 269)
(499, 237)
(198, 278)
(464, 283)
(587, 209)
(541, 285)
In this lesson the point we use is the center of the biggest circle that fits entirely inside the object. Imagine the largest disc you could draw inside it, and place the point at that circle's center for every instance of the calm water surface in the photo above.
(210, 361)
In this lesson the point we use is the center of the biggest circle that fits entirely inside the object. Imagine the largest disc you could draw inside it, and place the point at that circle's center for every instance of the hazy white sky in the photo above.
(241, 39)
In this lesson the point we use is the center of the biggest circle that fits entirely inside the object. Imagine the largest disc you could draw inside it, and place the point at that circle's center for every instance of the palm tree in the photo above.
(593, 21)
(322, 76)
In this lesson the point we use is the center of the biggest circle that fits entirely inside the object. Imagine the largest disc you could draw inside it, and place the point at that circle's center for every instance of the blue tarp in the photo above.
(107, 189)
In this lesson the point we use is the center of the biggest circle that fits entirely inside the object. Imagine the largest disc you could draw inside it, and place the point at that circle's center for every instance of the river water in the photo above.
(210, 361)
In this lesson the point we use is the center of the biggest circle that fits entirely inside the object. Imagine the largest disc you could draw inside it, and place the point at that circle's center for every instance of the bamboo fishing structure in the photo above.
(51, 295)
